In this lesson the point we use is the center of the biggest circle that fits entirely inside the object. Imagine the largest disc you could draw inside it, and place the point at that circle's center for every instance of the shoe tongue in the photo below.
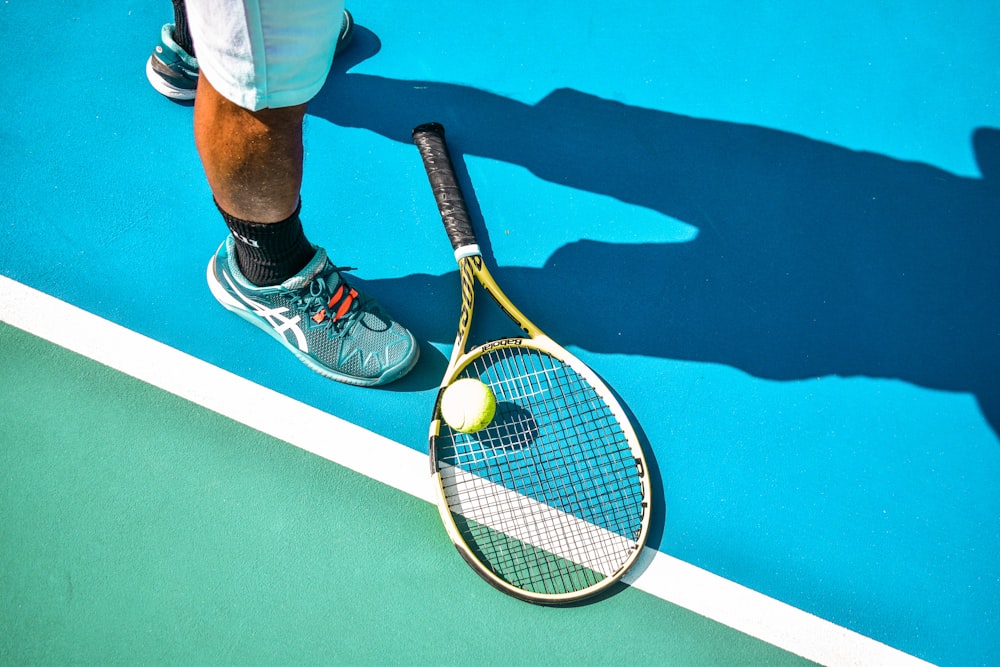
(309, 272)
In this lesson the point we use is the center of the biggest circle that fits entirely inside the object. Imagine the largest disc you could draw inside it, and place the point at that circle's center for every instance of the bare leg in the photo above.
(253, 159)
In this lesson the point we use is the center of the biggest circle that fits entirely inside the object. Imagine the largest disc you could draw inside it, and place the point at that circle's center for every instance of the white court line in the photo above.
(583, 543)
(407, 470)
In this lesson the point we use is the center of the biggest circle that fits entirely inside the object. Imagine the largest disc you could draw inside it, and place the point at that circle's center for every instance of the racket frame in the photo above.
(472, 271)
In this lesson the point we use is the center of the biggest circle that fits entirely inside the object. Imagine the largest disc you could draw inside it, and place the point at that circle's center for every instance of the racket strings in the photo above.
(549, 492)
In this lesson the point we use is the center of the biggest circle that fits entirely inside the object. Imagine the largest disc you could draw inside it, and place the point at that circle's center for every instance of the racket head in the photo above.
(549, 502)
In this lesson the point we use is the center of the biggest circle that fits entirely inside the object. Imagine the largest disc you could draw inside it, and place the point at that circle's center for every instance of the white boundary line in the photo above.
(407, 470)
(583, 543)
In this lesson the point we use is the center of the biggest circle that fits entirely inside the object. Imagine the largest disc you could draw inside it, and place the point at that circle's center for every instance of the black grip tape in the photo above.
(429, 139)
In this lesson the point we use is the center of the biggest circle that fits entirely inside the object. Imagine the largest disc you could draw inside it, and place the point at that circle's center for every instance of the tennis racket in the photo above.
(550, 501)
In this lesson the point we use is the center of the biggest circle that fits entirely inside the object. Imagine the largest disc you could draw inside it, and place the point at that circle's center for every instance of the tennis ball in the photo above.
(468, 405)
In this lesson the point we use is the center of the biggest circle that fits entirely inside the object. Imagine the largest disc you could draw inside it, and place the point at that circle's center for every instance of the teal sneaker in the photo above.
(333, 328)
(173, 72)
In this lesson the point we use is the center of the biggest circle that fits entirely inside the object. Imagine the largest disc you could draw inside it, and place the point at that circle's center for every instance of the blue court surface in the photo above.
(772, 227)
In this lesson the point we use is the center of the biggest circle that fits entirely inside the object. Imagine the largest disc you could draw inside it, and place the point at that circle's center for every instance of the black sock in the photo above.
(270, 253)
(181, 33)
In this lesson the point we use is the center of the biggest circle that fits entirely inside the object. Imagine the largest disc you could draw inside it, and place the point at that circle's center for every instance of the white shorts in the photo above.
(265, 53)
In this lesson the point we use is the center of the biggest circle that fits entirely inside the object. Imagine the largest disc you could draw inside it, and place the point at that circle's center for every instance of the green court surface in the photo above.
(139, 528)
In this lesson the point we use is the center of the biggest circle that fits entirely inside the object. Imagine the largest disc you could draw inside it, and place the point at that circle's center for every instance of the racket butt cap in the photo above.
(428, 128)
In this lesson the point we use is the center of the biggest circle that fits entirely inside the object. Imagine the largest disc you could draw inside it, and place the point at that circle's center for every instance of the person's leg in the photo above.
(252, 159)
(261, 63)
(253, 162)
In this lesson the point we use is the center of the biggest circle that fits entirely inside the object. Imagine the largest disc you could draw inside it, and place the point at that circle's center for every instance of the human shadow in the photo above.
(811, 259)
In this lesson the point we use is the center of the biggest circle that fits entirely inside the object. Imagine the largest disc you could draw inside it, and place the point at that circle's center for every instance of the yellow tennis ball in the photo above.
(468, 405)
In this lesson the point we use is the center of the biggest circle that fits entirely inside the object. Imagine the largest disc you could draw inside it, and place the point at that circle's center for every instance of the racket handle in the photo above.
(429, 139)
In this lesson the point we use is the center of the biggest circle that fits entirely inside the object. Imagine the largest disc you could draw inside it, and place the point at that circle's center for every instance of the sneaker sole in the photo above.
(164, 88)
(235, 306)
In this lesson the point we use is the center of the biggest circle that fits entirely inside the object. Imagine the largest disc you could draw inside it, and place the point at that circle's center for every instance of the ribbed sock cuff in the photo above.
(182, 34)
(270, 253)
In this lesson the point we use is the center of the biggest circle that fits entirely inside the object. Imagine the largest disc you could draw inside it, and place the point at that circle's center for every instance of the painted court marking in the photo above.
(600, 551)
(405, 469)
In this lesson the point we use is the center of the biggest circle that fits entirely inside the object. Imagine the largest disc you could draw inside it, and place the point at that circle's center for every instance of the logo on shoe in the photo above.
(281, 324)
(274, 316)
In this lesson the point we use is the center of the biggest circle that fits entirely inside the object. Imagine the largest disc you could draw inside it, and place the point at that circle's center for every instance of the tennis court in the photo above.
(771, 228)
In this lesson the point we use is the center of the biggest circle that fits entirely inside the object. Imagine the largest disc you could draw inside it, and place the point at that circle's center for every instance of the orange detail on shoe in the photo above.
(346, 305)
(336, 297)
